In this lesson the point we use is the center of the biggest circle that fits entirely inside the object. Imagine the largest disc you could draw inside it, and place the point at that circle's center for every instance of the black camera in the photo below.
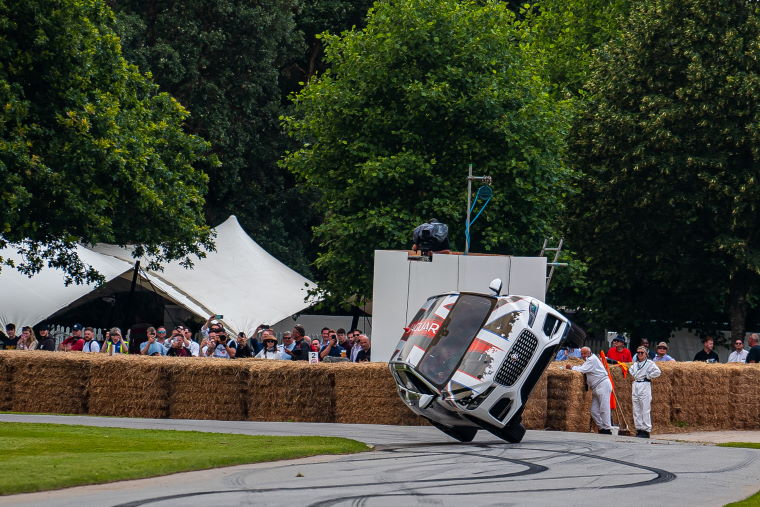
(223, 338)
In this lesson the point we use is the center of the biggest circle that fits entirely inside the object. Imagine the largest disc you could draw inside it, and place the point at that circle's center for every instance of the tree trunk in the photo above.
(737, 304)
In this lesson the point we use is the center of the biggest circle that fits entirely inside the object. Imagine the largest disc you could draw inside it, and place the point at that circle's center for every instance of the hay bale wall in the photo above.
(366, 393)
(122, 386)
(199, 388)
(291, 391)
(686, 397)
(48, 382)
(6, 376)
(534, 416)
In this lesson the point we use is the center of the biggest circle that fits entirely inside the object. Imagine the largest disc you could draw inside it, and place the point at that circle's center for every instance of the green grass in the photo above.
(754, 500)
(37, 457)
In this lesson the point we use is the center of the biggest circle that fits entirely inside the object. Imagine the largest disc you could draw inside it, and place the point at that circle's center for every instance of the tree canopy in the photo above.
(406, 104)
(668, 143)
(90, 150)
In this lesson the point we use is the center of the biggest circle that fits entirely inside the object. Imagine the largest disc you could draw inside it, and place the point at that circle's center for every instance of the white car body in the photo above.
(469, 361)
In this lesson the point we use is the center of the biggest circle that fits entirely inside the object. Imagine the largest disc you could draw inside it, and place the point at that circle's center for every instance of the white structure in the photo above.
(402, 284)
(239, 280)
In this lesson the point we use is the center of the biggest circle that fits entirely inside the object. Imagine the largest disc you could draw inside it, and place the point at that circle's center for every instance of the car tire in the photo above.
(461, 433)
(576, 337)
(512, 432)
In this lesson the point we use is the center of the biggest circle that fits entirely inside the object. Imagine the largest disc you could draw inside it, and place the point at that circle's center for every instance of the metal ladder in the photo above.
(553, 264)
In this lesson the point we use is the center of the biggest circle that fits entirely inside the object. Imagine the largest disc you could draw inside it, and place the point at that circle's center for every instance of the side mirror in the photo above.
(495, 286)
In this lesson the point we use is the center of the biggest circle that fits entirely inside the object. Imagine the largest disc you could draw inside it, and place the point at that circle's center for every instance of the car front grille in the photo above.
(517, 358)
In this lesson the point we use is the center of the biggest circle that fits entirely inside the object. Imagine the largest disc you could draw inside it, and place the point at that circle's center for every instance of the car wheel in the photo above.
(461, 433)
(512, 433)
(576, 337)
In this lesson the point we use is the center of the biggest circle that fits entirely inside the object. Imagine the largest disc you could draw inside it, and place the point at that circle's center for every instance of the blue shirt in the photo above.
(334, 351)
(564, 354)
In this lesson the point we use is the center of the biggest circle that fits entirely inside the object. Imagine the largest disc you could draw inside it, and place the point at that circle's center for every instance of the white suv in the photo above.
(469, 361)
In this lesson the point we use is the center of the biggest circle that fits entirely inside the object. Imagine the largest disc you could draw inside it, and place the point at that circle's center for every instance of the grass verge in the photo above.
(754, 500)
(38, 457)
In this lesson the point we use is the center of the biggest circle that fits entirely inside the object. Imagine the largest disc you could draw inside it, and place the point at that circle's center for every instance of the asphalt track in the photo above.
(421, 466)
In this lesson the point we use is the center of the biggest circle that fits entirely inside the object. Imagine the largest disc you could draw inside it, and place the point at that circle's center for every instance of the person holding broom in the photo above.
(642, 371)
(601, 388)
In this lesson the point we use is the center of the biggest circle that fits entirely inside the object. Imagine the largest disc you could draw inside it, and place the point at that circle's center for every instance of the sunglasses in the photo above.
(641, 352)
(662, 348)
(739, 343)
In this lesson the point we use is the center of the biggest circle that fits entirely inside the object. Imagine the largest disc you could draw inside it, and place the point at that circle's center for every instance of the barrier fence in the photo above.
(686, 397)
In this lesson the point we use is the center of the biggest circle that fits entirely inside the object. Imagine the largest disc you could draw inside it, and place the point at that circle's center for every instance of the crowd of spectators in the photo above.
(619, 353)
(213, 340)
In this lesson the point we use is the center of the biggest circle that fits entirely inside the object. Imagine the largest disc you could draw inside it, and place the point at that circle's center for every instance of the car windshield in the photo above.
(453, 337)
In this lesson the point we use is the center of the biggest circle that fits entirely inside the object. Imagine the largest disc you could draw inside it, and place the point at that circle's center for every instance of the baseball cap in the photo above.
(77, 327)
(662, 344)
(43, 327)
(618, 338)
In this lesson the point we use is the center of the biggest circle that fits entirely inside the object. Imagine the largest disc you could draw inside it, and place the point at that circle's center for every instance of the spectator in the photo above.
(356, 347)
(191, 344)
(331, 348)
(178, 347)
(270, 350)
(90, 344)
(642, 371)
(244, 349)
(346, 342)
(618, 353)
(739, 355)
(315, 345)
(364, 353)
(115, 344)
(10, 340)
(662, 353)
(707, 353)
(152, 347)
(219, 344)
(46, 341)
(325, 333)
(566, 353)
(601, 387)
(754, 348)
(645, 343)
(302, 345)
(288, 345)
(206, 327)
(27, 340)
(254, 341)
(75, 342)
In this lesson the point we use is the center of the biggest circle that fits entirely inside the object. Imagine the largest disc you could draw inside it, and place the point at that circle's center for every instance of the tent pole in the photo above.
(134, 347)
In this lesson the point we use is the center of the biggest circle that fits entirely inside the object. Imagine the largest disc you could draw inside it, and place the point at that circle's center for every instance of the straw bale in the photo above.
(6, 392)
(291, 391)
(365, 393)
(700, 395)
(568, 405)
(128, 386)
(207, 388)
(48, 382)
(743, 395)
(534, 416)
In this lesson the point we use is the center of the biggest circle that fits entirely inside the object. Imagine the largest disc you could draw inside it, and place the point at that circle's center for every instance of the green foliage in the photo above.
(406, 104)
(90, 151)
(563, 34)
(668, 143)
(222, 60)
(38, 457)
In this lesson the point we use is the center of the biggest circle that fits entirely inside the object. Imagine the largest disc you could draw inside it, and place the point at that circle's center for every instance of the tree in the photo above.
(563, 34)
(90, 150)
(222, 59)
(406, 104)
(668, 144)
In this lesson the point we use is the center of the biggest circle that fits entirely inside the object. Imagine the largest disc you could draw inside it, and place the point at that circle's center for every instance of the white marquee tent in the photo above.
(239, 280)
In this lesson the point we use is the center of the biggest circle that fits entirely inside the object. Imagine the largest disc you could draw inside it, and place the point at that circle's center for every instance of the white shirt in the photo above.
(738, 357)
(272, 354)
(643, 370)
(93, 346)
(594, 371)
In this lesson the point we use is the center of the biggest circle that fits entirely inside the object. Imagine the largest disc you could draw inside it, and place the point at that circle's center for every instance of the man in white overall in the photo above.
(601, 389)
(642, 371)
